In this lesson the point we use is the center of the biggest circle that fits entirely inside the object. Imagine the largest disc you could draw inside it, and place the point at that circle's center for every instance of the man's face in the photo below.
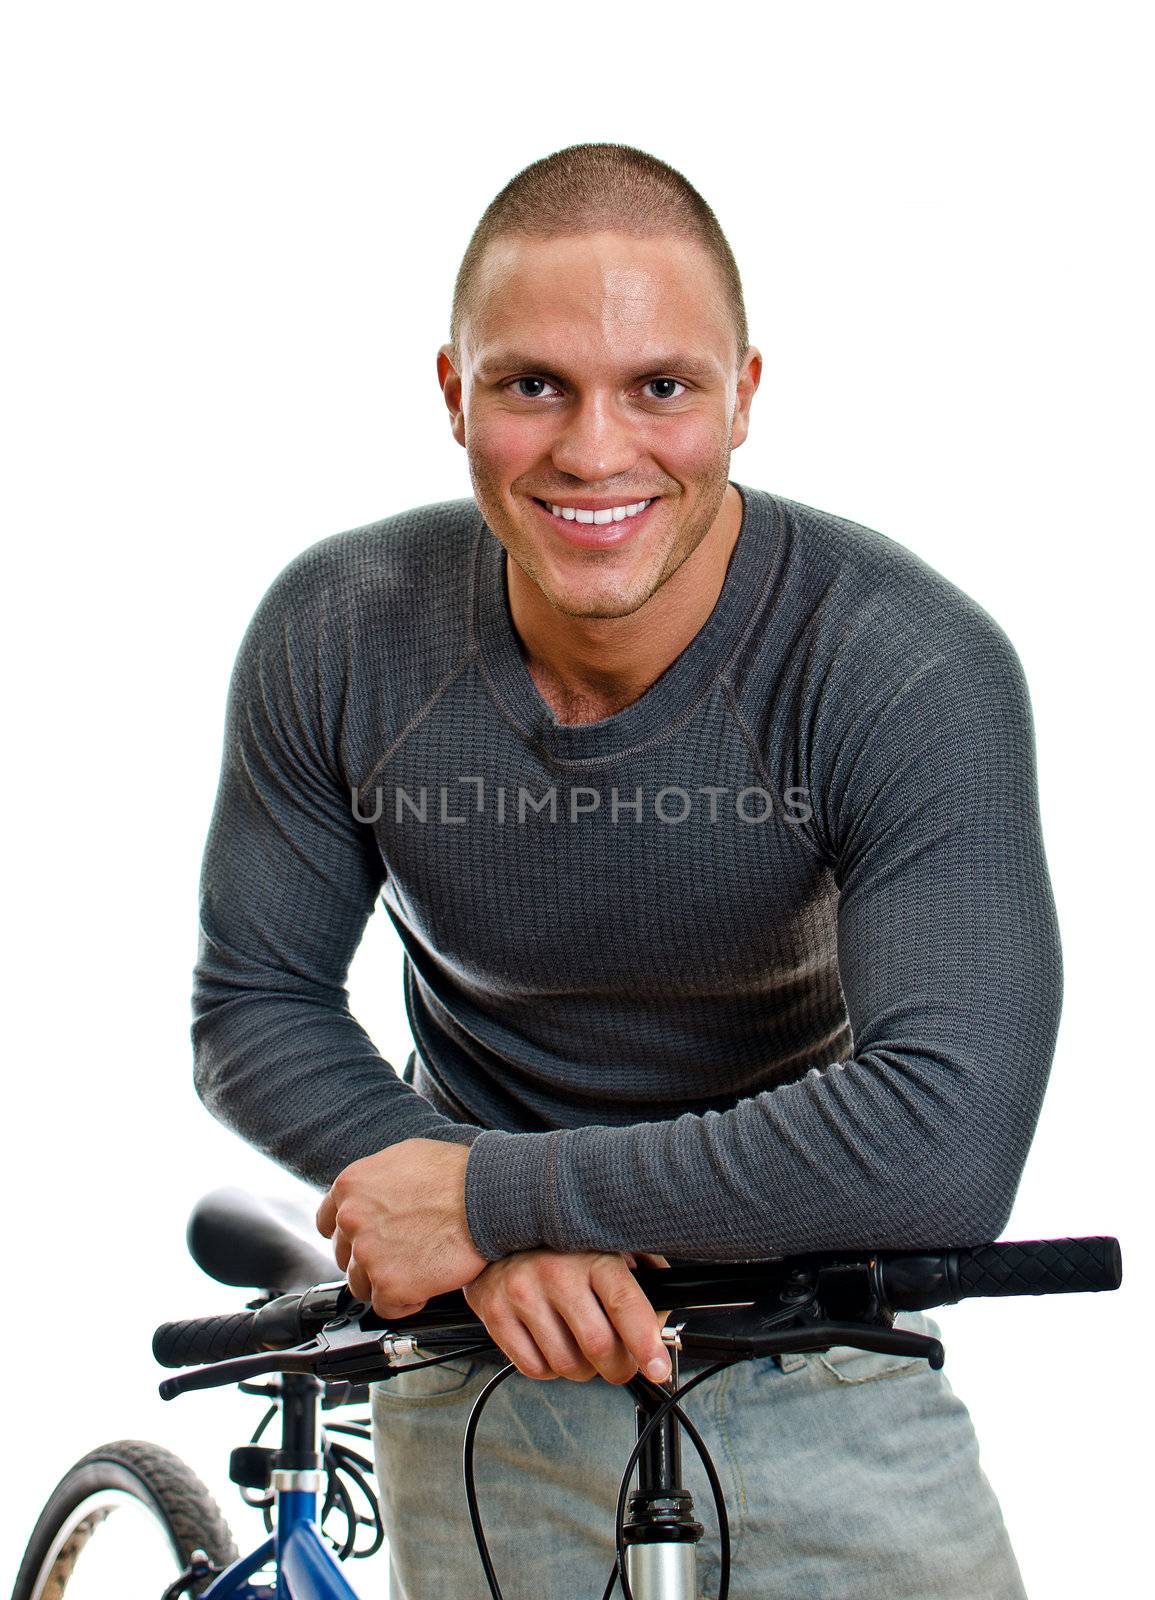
(596, 372)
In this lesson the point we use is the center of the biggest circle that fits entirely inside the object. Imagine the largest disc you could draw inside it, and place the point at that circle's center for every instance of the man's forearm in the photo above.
(813, 1165)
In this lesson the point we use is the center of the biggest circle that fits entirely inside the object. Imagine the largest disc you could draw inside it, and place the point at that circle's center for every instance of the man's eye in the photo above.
(666, 386)
(536, 392)
(661, 388)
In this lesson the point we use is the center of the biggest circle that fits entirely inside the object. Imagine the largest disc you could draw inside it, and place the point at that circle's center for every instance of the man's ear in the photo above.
(749, 377)
(450, 380)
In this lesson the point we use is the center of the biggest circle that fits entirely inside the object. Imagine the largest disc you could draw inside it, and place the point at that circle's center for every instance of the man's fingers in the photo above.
(358, 1279)
(393, 1310)
(342, 1249)
(514, 1338)
(632, 1316)
(570, 1315)
(577, 1301)
(327, 1215)
(533, 1337)
(601, 1346)
(560, 1345)
(651, 1260)
(362, 1286)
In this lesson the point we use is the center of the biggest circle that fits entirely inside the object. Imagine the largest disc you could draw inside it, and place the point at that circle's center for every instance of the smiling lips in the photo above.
(595, 525)
(599, 515)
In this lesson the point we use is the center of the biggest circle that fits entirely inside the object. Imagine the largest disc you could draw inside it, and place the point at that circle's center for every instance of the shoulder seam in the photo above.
(759, 765)
(419, 716)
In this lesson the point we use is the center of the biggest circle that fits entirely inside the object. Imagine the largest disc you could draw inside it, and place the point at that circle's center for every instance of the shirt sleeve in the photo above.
(288, 882)
(926, 806)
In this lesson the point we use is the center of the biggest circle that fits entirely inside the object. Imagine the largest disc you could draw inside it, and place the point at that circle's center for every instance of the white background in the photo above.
(233, 231)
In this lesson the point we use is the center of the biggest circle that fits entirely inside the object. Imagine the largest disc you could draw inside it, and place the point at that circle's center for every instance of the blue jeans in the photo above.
(847, 1476)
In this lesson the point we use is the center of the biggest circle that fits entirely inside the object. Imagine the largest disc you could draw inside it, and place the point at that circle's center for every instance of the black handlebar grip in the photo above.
(204, 1339)
(1040, 1266)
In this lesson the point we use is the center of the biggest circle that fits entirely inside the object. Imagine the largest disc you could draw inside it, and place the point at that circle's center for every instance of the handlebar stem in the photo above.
(300, 1397)
(660, 1531)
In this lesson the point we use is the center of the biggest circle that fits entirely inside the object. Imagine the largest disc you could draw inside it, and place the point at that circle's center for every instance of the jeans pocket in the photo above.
(426, 1385)
(848, 1364)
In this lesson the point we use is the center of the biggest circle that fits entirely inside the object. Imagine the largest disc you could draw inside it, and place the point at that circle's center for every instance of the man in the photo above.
(709, 824)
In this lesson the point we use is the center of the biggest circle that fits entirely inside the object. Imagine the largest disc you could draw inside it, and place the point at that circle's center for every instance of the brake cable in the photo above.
(659, 1416)
(619, 1568)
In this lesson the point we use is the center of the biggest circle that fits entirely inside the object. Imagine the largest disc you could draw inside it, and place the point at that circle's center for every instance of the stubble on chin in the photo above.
(595, 603)
(591, 594)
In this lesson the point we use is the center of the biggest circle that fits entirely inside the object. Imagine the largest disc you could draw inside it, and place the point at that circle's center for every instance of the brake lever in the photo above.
(766, 1328)
(797, 1319)
(341, 1350)
(237, 1369)
(819, 1336)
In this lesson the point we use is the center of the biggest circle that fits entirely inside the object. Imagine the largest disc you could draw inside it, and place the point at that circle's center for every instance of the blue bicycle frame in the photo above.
(306, 1568)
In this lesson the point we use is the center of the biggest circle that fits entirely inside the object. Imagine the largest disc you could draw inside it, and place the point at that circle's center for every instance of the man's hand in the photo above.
(571, 1315)
(397, 1221)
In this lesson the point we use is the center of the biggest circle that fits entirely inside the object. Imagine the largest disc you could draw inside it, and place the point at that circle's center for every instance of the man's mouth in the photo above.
(594, 526)
(600, 517)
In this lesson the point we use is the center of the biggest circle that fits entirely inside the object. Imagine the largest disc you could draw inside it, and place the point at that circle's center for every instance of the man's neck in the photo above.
(587, 668)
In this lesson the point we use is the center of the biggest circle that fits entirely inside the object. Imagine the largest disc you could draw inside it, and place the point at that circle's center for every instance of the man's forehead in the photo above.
(587, 270)
(608, 248)
(645, 300)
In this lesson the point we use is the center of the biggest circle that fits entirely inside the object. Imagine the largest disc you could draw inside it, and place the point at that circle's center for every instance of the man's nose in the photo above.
(595, 441)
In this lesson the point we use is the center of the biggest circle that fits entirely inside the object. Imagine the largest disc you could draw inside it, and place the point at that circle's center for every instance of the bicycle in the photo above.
(328, 1347)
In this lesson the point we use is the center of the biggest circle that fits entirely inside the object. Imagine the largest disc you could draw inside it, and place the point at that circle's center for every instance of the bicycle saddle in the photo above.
(259, 1243)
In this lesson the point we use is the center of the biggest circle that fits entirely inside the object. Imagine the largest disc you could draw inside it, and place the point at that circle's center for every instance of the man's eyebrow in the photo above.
(518, 361)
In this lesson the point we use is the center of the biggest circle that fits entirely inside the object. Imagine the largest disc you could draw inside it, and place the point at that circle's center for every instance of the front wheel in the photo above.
(123, 1522)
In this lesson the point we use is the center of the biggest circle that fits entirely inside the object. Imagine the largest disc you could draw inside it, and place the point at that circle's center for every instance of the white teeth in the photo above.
(610, 514)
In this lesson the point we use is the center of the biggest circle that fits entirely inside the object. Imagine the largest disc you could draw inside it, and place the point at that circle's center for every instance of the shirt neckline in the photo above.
(679, 689)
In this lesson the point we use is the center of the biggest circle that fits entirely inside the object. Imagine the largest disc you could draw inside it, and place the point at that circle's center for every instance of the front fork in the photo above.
(660, 1532)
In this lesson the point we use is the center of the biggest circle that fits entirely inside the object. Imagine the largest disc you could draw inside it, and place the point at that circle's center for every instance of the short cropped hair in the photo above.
(591, 188)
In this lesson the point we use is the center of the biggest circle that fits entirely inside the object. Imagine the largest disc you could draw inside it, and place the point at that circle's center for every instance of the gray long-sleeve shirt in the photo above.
(767, 961)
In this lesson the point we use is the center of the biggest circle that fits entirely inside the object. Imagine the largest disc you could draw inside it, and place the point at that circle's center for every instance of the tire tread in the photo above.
(184, 1504)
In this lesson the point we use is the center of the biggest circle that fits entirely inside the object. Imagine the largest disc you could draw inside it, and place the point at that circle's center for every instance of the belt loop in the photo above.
(790, 1360)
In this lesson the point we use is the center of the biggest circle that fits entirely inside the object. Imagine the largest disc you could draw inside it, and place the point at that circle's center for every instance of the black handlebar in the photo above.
(919, 1282)
(274, 1326)
(187, 1344)
(1041, 1266)
(848, 1284)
